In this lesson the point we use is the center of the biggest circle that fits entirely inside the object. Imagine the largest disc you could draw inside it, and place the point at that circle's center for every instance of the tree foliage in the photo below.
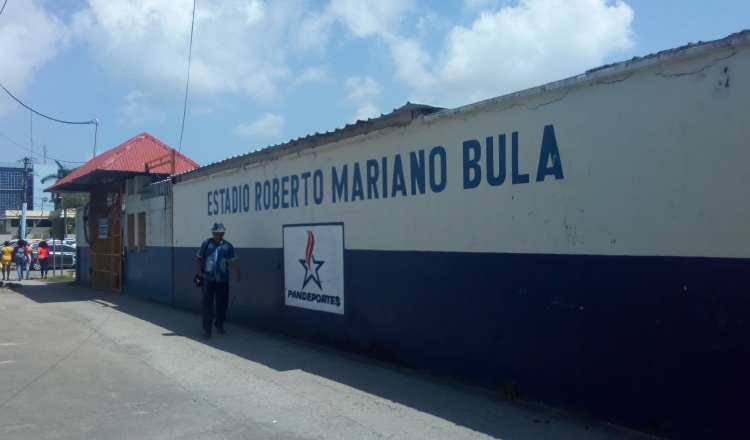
(67, 200)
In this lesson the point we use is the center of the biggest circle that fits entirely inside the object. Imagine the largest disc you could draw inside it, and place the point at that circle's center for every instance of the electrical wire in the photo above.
(93, 121)
(35, 154)
(187, 83)
(3, 8)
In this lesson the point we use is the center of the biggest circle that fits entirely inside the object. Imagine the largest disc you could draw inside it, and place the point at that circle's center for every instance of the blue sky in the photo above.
(263, 73)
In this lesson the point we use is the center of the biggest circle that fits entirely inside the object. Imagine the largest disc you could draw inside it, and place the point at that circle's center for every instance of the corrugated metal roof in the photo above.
(608, 71)
(401, 116)
(405, 114)
(126, 160)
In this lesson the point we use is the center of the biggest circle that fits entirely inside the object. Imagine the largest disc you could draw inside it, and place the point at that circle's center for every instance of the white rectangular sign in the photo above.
(103, 228)
(314, 267)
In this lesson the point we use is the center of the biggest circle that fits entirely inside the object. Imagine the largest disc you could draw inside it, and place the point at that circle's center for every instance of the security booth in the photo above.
(108, 178)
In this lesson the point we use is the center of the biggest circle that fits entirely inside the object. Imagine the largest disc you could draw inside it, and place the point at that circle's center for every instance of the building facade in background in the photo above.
(13, 193)
(11, 186)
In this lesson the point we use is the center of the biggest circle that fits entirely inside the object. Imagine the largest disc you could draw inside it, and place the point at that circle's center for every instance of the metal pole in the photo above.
(22, 234)
(22, 228)
(64, 236)
(96, 131)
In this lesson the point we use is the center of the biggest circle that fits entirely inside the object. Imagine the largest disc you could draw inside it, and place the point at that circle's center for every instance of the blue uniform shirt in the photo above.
(216, 258)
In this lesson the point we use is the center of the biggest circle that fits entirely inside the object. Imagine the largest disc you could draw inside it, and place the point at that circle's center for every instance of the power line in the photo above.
(93, 121)
(32, 152)
(187, 83)
(1, 10)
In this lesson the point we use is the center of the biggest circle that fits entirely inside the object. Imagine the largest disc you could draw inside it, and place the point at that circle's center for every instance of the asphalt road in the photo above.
(76, 363)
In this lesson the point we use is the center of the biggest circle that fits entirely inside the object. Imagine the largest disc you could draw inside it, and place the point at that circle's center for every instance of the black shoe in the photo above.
(219, 329)
(206, 335)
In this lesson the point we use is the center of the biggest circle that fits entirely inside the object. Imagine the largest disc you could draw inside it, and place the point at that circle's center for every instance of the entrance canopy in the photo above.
(103, 177)
(141, 155)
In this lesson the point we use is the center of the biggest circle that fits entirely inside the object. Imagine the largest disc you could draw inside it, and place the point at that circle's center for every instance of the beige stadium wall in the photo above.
(586, 240)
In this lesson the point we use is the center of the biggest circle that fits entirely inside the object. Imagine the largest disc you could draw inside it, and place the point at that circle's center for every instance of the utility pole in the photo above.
(27, 163)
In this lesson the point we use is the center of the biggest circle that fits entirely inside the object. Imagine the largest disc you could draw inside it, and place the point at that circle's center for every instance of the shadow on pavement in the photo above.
(473, 408)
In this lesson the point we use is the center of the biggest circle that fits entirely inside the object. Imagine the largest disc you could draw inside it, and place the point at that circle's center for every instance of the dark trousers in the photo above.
(218, 292)
(44, 264)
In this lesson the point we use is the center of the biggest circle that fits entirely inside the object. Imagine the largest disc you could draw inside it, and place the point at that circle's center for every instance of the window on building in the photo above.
(11, 179)
(11, 189)
(142, 231)
(131, 232)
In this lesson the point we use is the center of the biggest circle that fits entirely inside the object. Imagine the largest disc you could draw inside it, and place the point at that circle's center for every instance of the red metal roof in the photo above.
(124, 161)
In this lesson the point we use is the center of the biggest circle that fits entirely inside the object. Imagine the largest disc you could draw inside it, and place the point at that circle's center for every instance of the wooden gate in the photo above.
(105, 223)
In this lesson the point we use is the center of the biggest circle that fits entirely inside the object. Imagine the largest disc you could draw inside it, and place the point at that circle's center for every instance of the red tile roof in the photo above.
(127, 160)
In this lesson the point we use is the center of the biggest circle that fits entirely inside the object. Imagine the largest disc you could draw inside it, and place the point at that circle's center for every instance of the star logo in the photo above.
(310, 264)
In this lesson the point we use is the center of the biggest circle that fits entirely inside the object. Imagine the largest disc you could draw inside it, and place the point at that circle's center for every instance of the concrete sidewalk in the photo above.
(84, 364)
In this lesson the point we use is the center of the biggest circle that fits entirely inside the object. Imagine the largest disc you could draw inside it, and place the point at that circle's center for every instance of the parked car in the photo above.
(60, 256)
(68, 241)
(30, 241)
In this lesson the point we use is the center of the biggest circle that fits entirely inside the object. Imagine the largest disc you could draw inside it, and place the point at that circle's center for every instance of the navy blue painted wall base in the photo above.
(659, 344)
(83, 265)
(148, 274)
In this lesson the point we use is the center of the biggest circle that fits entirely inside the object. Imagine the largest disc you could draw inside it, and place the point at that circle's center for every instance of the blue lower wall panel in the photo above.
(148, 273)
(83, 265)
(659, 344)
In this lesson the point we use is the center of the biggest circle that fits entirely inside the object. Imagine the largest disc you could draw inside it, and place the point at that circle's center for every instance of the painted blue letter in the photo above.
(472, 164)
(516, 178)
(496, 179)
(548, 151)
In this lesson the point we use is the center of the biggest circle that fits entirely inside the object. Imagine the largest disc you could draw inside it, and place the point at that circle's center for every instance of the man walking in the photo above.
(212, 265)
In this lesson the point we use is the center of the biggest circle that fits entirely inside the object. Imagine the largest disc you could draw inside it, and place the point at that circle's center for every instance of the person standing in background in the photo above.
(6, 259)
(43, 256)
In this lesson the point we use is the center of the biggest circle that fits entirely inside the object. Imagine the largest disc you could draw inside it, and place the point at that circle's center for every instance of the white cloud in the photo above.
(30, 37)
(261, 49)
(517, 47)
(368, 18)
(138, 111)
(480, 5)
(412, 62)
(312, 74)
(363, 19)
(237, 46)
(312, 32)
(365, 112)
(362, 92)
(362, 89)
(267, 125)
